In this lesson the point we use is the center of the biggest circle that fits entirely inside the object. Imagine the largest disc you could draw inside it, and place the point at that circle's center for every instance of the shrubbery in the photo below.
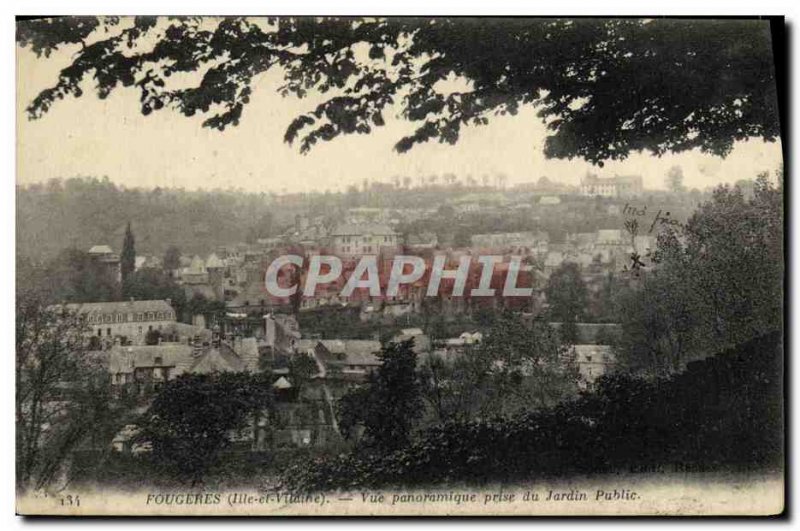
(721, 413)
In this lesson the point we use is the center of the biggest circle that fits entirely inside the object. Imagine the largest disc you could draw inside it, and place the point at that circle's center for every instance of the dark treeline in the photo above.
(82, 212)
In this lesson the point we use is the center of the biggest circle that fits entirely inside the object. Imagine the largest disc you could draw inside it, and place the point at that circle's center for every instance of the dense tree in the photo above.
(127, 259)
(722, 415)
(567, 296)
(674, 179)
(717, 283)
(301, 368)
(200, 305)
(72, 276)
(603, 305)
(193, 418)
(389, 404)
(527, 363)
(263, 228)
(605, 87)
(154, 284)
(82, 212)
(517, 367)
(172, 258)
(62, 391)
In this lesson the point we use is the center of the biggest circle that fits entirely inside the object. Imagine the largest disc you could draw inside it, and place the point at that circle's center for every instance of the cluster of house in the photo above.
(305, 410)
(144, 345)
(234, 273)
(237, 277)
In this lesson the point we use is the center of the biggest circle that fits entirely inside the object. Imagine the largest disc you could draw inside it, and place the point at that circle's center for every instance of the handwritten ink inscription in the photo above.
(662, 218)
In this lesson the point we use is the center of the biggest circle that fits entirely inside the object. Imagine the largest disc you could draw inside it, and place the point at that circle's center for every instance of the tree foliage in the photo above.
(301, 368)
(568, 298)
(604, 87)
(154, 284)
(62, 392)
(172, 258)
(127, 259)
(674, 180)
(71, 276)
(389, 404)
(517, 367)
(194, 416)
(80, 212)
(627, 423)
(718, 282)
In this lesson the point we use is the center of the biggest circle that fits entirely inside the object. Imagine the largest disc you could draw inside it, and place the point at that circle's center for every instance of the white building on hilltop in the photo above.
(617, 186)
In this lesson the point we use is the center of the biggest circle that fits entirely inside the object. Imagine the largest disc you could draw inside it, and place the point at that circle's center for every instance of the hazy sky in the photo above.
(92, 137)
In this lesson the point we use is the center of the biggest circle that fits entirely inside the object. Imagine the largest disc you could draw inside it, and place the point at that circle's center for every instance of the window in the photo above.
(158, 361)
(108, 332)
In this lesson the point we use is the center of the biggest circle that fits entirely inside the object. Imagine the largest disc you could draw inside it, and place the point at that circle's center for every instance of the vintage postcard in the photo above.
(399, 266)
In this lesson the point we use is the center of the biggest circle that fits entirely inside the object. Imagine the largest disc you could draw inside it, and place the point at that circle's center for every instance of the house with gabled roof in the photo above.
(129, 320)
(359, 239)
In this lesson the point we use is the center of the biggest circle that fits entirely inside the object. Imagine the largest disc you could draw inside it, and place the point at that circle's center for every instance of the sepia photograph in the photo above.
(400, 266)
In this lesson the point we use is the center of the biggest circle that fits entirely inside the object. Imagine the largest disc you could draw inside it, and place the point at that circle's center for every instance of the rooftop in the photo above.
(354, 229)
(121, 307)
(101, 249)
(126, 359)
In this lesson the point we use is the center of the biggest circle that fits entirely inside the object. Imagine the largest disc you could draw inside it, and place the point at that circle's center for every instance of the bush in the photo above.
(721, 413)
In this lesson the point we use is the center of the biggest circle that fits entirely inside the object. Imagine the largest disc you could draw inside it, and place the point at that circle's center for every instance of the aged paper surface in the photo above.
(401, 266)
(686, 496)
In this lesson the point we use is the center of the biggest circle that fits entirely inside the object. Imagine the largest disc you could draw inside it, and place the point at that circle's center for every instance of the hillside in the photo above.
(81, 212)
